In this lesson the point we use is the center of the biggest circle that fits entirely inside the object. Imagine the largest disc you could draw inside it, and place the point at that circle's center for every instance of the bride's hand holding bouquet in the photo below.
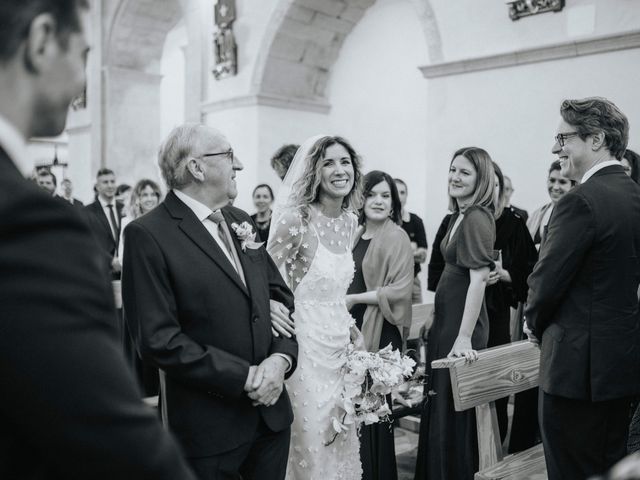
(369, 377)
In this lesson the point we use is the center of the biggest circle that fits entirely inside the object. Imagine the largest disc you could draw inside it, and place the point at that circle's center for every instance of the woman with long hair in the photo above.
(145, 196)
(379, 299)
(447, 446)
(314, 225)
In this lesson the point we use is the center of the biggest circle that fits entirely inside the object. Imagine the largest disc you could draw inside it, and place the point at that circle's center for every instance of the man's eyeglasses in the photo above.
(561, 137)
(228, 154)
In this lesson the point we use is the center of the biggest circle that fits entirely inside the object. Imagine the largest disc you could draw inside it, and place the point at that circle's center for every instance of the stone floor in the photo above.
(406, 451)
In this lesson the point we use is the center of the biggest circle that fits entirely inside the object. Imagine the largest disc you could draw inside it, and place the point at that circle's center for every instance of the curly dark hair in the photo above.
(307, 189)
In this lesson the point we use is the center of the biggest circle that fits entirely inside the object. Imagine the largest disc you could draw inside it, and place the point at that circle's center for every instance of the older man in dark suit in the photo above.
(69, 407)
(198, 293)
(583, 298)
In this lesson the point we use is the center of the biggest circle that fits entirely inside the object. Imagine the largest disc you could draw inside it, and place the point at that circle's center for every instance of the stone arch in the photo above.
(138, 31)
(305, 40)
(133, 40)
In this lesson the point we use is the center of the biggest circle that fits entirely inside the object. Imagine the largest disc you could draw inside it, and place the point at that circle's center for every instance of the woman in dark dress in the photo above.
(436, 262)
(447, 446)
(507, 284)
(262, 200)
(380, 297)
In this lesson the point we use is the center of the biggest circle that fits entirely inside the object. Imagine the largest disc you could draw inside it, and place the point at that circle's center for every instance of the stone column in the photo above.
(132, 133)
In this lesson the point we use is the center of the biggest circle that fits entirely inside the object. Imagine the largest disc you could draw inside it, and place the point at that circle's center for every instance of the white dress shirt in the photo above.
(599, 166)
(202, 212)
(105, 208)
(14, 144)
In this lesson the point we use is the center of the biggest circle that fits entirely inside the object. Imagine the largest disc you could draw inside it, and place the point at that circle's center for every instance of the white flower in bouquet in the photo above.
(368, 378)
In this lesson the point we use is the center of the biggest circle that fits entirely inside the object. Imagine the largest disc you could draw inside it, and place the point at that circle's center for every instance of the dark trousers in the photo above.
(525, 432)
(265, 458)
(582, 438)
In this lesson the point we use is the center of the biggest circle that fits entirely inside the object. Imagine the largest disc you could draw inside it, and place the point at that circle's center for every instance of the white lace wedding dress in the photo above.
(322, 323)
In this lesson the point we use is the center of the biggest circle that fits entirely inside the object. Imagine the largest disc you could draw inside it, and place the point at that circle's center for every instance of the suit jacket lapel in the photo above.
(244, 260)
(193, 228)
(102, 217)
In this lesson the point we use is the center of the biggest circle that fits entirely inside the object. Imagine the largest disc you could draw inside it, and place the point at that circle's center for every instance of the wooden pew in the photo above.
(498, 372)
(421, 315)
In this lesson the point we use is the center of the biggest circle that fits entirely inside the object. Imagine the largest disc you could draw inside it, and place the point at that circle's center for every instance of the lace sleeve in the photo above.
(353, 228)
(285, 242)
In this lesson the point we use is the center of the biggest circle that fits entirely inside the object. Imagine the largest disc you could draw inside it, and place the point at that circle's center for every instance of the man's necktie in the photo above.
(114, 224)
(225, 236)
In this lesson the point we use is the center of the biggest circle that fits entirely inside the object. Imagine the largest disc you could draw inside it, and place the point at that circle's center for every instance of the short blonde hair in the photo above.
(484, 189)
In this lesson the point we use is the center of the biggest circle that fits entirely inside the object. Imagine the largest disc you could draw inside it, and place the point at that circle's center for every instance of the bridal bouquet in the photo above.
(369, 377)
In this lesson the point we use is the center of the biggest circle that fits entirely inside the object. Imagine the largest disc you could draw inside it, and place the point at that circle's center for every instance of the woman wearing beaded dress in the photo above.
(310, 240)
(447, 445)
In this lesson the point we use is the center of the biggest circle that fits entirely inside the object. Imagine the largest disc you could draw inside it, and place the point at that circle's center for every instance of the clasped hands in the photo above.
(265, 382)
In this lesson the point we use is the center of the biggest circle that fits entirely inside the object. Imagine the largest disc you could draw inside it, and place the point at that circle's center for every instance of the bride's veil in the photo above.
(282, 202)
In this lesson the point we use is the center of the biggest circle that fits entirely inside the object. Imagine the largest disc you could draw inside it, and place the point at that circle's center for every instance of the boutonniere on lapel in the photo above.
(246, 235)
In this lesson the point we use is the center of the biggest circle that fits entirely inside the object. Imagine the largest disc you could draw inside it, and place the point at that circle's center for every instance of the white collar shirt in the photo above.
(14, 144)
(105, 208)
(599, 166)
(202, 212)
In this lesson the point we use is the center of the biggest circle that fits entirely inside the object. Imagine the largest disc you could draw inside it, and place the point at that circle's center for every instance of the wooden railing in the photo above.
(498, 372)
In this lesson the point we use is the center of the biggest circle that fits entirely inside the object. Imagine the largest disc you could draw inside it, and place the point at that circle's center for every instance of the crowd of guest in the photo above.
(494, 244)
(221, 322)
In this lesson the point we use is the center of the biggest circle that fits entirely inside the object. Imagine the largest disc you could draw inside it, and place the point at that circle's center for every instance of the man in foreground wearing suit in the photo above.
(69, 407)
(583, 303)
(105, 215)
(198, 293)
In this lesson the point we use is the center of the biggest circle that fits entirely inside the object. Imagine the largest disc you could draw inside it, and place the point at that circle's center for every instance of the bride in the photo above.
(310, 241)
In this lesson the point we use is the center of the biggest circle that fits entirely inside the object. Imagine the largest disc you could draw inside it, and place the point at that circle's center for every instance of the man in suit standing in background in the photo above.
(105, 215)
(198, 293)
(508, 191)
(583, 297)
(46, 180)
(67, 193)
(69, 407)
